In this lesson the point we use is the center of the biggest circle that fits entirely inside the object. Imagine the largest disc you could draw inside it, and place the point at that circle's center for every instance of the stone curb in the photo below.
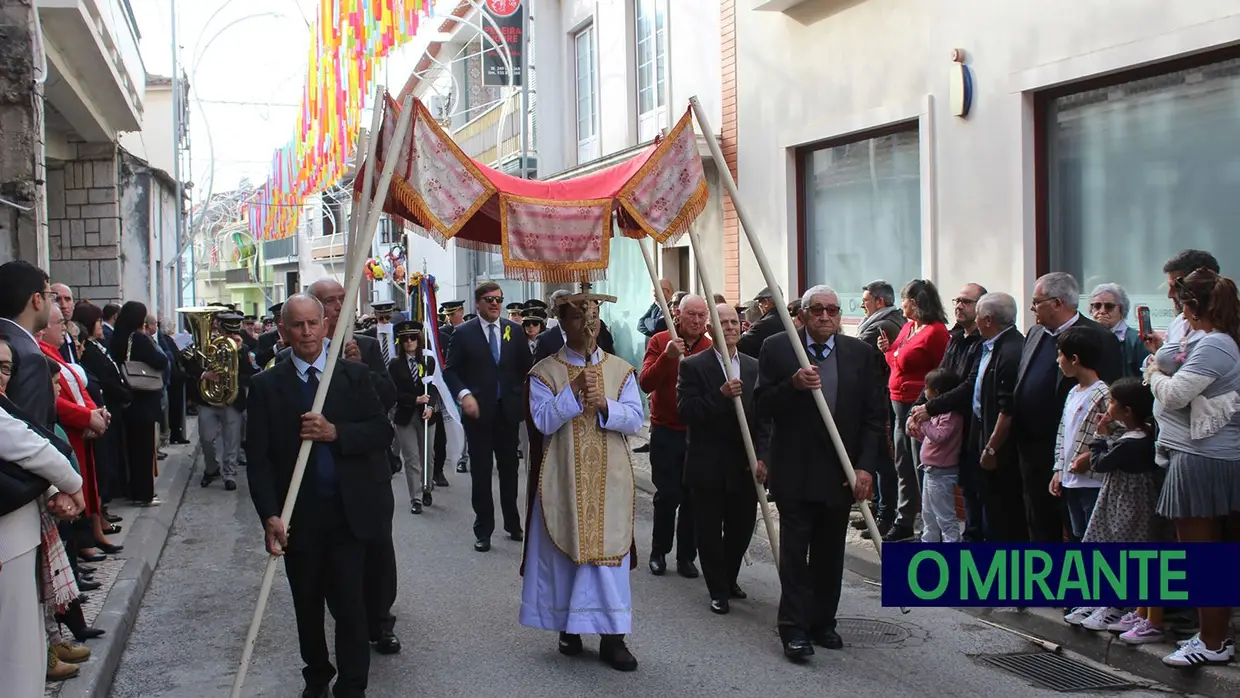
(1047, 623)
(144, 545)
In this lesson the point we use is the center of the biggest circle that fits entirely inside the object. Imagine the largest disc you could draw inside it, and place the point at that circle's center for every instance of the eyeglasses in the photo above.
(6, 368)
(492, 299)
(1102, 306)
(963, 301)
(830, 310)
(1040, 301)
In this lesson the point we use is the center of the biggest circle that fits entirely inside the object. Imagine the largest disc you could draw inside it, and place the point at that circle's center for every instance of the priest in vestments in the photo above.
(579, 543)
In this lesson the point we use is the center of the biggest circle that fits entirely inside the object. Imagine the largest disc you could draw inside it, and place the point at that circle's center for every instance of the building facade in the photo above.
(989, 142)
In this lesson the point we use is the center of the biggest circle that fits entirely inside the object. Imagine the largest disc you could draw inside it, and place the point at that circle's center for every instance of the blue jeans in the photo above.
(1080, 501)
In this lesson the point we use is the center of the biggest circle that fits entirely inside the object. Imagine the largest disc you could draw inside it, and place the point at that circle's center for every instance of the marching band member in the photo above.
(270, 342)
(453, 314)
(219, 426)
(533, 321)
(415, 405)
(383, 331)
(516, 311)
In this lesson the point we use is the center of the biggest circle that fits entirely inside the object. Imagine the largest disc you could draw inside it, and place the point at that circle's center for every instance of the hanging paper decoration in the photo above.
(374, 269)
(349, 39)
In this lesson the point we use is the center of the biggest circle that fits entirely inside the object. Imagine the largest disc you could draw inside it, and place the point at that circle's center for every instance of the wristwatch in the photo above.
(990, 451)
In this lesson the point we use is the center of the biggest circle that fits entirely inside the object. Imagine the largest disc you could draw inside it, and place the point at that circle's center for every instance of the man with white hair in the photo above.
(805, 474)
(991, 384)
(660, 371)
(1041, 390)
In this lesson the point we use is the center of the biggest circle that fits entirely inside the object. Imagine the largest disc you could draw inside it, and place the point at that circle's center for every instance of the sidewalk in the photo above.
(125, 576)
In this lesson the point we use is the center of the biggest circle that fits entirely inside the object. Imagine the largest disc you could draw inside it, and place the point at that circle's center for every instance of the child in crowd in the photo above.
(1081, 350)
(941, 438)
(1131, 481)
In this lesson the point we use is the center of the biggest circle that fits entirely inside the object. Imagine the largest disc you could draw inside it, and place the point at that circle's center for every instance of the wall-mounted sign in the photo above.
(509, 17)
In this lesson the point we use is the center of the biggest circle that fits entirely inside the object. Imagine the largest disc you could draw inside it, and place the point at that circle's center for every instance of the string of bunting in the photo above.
(349, 39)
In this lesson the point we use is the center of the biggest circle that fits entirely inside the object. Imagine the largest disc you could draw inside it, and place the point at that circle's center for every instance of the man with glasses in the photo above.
(1041, 390)
(805, 473)
(961, 358)
(486, 366)
(25, 309)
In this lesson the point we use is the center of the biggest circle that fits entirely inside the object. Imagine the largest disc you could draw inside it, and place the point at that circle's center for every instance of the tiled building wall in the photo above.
(84, 223)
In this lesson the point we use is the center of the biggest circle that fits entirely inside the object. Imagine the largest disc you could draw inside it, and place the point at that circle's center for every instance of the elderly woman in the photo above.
(1196, 386)
(1109, 306)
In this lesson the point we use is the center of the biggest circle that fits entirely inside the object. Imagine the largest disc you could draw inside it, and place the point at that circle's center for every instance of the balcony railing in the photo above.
(237, 276)
(274, 250)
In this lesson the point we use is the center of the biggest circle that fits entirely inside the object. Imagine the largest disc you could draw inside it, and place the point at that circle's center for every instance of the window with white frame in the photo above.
(587, 96)
(651, 20)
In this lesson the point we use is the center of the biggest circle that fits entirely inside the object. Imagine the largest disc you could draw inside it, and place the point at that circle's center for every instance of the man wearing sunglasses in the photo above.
(486, 366)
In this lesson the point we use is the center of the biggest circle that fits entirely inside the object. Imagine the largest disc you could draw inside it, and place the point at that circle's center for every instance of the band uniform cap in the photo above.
(534, 315)
(450, 306)
(409, 328)
(230, 322)
(251, 318)
(383, 306)
(275, 309)
(470, 316)
(514, 306)
(534, 303)
(766, 294)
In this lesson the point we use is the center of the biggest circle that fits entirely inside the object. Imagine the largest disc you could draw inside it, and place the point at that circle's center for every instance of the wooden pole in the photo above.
(353, 285)
(371, 149)
(729, 183)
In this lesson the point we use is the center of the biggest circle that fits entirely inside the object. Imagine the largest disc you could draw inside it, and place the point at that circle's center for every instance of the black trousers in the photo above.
(176, 408)
(440, 443)
(811, 566)
(380, 584)
(1003, 503)
(140, 457)
(325, 567)
(493, 445)
(1043, 512)
(667, 470)
(724, 521)
(970, 487)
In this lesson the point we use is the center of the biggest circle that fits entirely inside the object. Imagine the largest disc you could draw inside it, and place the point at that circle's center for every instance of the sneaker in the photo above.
(1078, 615)
(1130, 620)
(1142, 633)
(1102, 618)
(1195, 653)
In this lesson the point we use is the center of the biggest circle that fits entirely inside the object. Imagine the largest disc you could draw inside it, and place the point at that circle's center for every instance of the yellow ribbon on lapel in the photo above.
(507, 332)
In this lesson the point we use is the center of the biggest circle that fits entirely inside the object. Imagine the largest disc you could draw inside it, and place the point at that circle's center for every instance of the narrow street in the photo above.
(457, 613)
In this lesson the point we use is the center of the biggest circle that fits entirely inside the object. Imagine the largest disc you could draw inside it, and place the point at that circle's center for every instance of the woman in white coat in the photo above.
(23, 644)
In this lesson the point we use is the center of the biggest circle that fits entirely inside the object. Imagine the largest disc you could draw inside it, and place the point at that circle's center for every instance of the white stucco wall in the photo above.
(154, 142)
(843, 67)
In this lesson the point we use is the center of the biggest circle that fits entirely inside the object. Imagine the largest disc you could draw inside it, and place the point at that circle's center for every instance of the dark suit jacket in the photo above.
(30, 386)
(471, 367)
(1111, 368)
(804, 465)
(548, 342)
(716, 457)
(409, 388)
(998, 391)
(266, 347)
(107, 375)
(769, 325)
(363, 434)
(107, 335)
(372, 358)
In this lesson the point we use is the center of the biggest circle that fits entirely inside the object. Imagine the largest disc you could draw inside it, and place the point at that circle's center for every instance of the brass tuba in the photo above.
(215, 352)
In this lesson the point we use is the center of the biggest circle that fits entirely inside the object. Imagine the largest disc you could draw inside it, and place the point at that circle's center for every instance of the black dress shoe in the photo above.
(109, 549)
(441, 481)
(798, 650)
(737, 592)
(179, 442)
(570, 644)
(460, 468)
(86, 585)
(91, 557)
(482, 545)
(88, 633)
(427, 499)
(324, 692)
(516, 535)
(613, 651)
(415, 507)
(719, 606)
(113, 518)
(388, 643)
(686, 569)
(230, 485)
(85, 569)
(658, 565)
(829, 639)
(644, 448)
(114, 528)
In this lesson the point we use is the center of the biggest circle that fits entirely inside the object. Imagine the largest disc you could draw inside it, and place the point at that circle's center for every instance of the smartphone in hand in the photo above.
(1144, 327)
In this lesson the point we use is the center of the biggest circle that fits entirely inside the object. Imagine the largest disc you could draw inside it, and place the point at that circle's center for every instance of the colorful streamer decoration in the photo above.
(349, 39)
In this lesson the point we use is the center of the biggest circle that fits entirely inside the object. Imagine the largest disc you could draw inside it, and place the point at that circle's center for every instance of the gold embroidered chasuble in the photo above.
(586, 486)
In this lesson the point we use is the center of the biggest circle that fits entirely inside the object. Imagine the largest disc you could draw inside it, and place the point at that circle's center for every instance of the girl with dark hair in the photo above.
(916, 351)
(1196, 387)
(131, 343)
(103, 372)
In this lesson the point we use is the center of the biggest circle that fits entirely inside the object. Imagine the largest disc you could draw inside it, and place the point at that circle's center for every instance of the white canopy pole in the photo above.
(722, 350)
(729, 183)
(352, 286)
(371, 141)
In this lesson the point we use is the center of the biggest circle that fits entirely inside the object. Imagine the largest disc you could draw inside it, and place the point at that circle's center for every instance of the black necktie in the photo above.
(820, 351)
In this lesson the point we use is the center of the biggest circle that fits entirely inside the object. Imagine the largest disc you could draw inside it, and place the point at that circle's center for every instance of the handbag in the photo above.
(140, 375)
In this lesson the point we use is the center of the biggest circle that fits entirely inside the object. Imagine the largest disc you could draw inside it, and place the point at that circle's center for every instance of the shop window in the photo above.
(861, 214)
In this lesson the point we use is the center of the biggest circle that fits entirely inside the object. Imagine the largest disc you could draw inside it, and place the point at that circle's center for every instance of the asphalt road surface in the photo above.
(457, 619)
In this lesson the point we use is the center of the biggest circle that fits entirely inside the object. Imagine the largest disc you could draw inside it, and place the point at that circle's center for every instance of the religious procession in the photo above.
(573, 368)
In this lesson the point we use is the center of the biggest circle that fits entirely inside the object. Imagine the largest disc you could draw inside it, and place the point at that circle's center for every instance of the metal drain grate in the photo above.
(1056, 672)
(863, 632)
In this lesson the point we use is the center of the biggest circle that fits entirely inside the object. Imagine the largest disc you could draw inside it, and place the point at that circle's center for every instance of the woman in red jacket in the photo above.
(917, 350)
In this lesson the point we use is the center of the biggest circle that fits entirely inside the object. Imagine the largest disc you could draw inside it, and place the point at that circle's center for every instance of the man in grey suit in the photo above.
(716, 463)
(25, 302)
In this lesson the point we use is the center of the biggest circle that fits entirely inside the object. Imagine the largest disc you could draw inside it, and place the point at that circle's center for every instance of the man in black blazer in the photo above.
(716, 463)
(991, 385)
(345, 501)
(25, 308)
(269, 341)
(485, 370)
(451, 314)
(806, 477)
(551, 340)
(1041, 390)
(770, 324)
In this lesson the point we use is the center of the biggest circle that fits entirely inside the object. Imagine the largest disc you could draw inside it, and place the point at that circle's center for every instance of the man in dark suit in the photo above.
(991, 385)
(110, 311)
(451, 313)
(652, 321)
(551, 340)
(716, 463)
(486, 366)
(806, 477)
(176, 389)
(25, 306)
(1041, 390)
(345, 501)
(770, 324)
(269, 341)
